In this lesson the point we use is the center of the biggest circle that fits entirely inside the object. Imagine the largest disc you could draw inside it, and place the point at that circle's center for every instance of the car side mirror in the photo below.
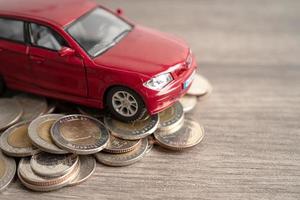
(119, 11)
(66, 51)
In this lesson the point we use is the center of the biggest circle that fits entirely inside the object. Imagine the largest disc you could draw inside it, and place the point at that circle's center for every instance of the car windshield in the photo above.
(99, 30)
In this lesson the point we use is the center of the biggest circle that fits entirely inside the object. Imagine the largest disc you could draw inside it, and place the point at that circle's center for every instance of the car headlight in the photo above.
(159, 82)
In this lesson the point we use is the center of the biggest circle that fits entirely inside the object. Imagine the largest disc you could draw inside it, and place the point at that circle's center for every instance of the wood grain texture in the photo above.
(249, 50)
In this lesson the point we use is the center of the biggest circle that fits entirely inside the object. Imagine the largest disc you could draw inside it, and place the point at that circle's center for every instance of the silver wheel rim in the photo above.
(124, 103)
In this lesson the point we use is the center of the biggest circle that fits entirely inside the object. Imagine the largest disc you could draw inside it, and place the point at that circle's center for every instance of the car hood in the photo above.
(145, 51)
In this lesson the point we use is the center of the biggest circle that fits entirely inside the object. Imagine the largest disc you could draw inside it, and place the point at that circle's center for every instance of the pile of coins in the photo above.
(58, 147)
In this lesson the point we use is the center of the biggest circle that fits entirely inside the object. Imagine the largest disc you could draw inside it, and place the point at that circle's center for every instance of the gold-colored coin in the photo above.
(132, 130)
(117, 145)
(80, 134)
(15, 141)
(40, 135)
(171, 117)
(189, 135)
(44, 131)
(19, 138)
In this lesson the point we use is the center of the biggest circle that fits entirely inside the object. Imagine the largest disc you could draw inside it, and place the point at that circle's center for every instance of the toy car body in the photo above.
(79, 51)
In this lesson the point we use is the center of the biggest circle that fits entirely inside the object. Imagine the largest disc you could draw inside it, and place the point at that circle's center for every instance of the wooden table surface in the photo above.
(249, 50)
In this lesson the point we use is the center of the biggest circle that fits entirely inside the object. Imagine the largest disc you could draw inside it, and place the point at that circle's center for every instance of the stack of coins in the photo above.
(48, 172)
(58, 144)
(169, 129)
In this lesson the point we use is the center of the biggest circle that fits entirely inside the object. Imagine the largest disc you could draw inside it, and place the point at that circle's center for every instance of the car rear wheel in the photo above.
(125, 104)
(2, 86)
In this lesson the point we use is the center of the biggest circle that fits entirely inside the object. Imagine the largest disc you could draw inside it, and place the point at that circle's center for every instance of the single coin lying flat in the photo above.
(171, 117)
(10, 112)
(80, 134)
(124, 159)
(189, 135)
(117, 145)
(33, 106)
(133, 130)
(15, 141)
(188, 103)
(51, 165)
(7, 170)
(40, 135)
(200, 86)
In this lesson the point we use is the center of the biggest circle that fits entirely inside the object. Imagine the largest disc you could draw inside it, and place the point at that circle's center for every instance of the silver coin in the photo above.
(188, 103)
(80, 134)
(171, 117)
(7, 170)
(51, 165)
(124, 159)
(38, 183)
(133, 130)
(189, 135)
(117, 145)
(87, 168)
(33, 106)
(15, 141)
(10, 112)
(40, 135)
(200, 86)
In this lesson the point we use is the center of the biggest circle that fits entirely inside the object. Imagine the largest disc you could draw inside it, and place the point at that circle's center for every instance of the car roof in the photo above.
(60, 12)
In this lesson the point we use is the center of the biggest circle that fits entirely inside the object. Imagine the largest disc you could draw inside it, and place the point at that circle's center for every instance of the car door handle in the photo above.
(37, 59)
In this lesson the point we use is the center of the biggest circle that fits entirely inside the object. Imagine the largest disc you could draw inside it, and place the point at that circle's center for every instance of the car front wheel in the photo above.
(125, 104)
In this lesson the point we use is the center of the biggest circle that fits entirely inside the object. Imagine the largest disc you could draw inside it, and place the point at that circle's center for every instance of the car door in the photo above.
(53, 71)
(14, 63)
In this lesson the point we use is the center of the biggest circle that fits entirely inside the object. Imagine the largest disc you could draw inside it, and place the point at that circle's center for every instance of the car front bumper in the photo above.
(158, 101)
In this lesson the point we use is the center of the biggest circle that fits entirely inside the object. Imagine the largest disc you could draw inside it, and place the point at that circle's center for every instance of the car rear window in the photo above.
(12, 29)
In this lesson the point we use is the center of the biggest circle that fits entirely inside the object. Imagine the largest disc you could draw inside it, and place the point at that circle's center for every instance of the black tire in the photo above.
(2, 86)
(141, 109)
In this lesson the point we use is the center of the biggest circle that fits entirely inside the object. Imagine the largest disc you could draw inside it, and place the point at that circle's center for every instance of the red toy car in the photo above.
(81, 52)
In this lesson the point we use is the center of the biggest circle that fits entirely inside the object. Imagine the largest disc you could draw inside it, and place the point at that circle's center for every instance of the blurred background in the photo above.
(231, 31)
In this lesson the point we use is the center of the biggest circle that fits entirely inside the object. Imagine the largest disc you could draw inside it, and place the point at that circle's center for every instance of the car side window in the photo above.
(12, 29)
(45, 37)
